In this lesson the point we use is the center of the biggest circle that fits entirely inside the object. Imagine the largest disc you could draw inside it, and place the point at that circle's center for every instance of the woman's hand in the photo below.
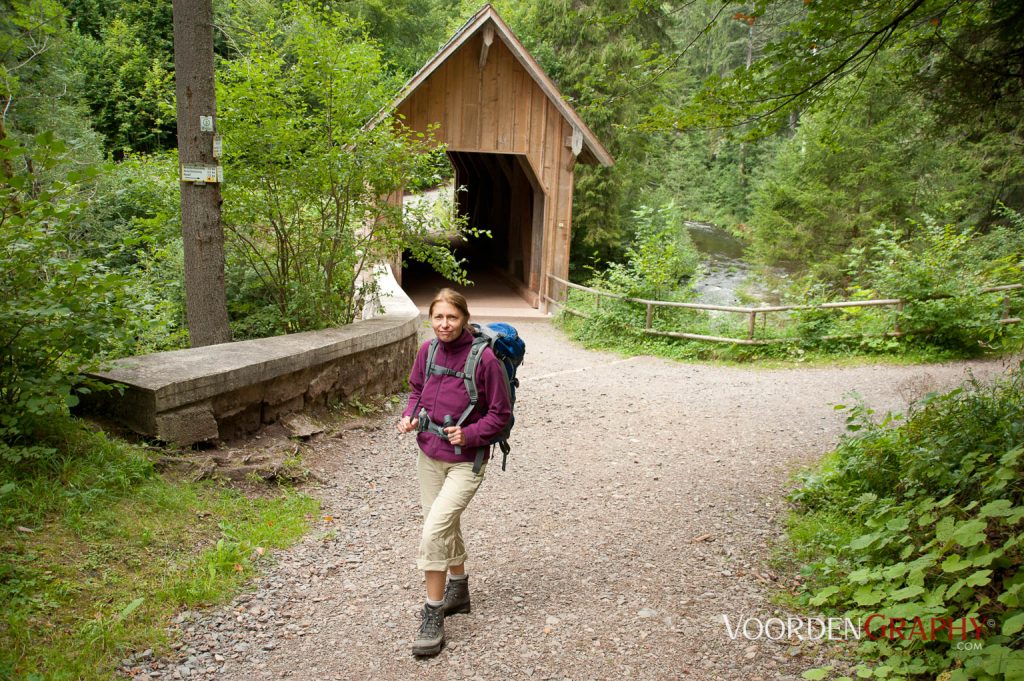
(406, 424)
(455, 435)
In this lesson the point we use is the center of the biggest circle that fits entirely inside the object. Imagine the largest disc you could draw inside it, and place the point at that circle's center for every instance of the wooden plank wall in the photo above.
(500, 109)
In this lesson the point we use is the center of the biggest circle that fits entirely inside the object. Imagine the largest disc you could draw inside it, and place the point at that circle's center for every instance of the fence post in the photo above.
(650, 316)
(899, 311)
(597, 300)
(751, 324)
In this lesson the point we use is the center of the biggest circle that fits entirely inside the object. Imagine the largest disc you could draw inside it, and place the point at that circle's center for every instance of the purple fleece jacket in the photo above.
(447, 395)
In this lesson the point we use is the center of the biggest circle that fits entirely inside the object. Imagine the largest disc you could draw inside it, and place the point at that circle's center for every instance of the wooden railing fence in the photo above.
(752, 312)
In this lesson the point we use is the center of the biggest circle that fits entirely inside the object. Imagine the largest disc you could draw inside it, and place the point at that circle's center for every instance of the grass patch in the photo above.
(99, 551)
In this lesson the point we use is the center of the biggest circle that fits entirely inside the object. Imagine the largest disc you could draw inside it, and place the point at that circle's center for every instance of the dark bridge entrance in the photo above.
(503, 198)
(499, 196)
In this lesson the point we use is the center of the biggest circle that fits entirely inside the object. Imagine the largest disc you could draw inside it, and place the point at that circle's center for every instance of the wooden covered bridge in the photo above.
(513, 142)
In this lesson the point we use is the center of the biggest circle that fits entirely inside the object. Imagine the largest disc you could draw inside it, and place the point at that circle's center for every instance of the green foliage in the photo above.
(924, 520)
(876, 109)
(133, 225)
(99, 552)
(129, 86)
(306, 204)
(26, 28)
(59, 310)
(77, 473)
(597, 53)
(811, 50)
(710, 175)
(661, 264)
(409, 31)
(39, 79)
(830, 184)
(941, 272)
(659, 260)
(123, 64)
(662, 254)
(603, 329)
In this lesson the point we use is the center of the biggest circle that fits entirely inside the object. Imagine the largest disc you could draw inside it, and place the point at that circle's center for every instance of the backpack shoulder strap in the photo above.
(431, 351)
(472, 362)
(469, 375)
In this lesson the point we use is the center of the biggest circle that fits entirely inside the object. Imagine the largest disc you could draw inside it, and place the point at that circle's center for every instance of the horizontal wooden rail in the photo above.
(752, 312)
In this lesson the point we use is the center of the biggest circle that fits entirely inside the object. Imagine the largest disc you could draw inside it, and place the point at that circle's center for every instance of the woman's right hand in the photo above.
(406, 425)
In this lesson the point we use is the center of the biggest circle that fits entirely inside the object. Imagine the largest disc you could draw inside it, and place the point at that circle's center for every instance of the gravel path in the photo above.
(642, 501)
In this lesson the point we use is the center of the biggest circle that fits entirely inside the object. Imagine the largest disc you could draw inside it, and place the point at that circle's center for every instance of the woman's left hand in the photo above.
(455, 435)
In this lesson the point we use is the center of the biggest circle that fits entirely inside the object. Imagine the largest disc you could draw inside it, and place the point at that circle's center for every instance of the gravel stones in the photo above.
(640, 505)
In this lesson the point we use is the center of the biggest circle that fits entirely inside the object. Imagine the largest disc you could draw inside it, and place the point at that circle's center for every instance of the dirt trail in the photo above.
(640, 505)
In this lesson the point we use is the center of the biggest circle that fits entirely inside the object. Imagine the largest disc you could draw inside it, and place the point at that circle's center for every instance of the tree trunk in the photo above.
(201, 231)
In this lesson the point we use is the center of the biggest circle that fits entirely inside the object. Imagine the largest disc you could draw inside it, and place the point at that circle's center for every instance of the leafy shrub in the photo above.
(59, 310)
(941, 271)
(660, 262)
(660, 259)
(306, 206)
(133, 224)
(941, 497)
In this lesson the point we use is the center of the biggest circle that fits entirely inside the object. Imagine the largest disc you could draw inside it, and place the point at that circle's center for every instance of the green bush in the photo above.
(660, 261)
(133, 225)
(923, 519)
(59, 310)
(941, 271)
(306, 209)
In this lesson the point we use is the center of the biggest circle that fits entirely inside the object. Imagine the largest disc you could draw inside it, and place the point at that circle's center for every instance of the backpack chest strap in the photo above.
(437, 370)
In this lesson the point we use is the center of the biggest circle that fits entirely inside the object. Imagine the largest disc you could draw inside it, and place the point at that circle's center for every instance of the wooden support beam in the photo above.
(575, 141)
(505, 163)
(486, 47)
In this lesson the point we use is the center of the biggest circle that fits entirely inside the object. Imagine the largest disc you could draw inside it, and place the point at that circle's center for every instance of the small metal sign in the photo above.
(218, 146)
(201, 174)
(206, 123)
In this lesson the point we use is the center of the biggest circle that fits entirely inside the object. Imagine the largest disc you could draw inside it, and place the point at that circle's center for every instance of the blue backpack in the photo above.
(509, 348)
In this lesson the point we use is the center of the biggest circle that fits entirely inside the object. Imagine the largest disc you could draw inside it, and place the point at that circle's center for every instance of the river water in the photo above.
(727, 277)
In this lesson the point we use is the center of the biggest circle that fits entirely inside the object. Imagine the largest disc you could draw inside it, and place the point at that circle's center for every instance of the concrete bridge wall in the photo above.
(220, 391)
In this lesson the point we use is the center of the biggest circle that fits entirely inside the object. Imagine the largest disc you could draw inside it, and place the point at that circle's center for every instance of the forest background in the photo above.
(815, 131)
(873, 147)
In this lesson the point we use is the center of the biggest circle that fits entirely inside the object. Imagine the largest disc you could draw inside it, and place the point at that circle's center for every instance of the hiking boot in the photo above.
(430, 637)
(456, 597)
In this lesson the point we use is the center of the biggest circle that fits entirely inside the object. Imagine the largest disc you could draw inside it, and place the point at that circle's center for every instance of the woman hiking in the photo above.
(447, 454)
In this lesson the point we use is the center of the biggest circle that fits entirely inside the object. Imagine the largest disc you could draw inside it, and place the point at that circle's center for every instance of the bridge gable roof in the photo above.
(591, 145)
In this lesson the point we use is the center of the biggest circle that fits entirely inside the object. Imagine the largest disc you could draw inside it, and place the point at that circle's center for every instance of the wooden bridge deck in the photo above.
(490, 297)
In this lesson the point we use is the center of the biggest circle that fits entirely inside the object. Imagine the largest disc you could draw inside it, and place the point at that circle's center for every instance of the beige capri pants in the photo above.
(445, 491)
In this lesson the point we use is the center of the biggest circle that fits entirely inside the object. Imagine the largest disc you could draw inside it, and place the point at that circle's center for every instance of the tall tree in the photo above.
(39, 84)
(596, 52)
(202, 234)
(971, 51)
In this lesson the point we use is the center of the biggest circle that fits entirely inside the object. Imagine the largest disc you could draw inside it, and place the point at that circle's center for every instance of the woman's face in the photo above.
(447, 321)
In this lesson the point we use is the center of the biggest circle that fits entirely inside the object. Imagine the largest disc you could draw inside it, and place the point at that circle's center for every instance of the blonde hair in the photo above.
(453, 298)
